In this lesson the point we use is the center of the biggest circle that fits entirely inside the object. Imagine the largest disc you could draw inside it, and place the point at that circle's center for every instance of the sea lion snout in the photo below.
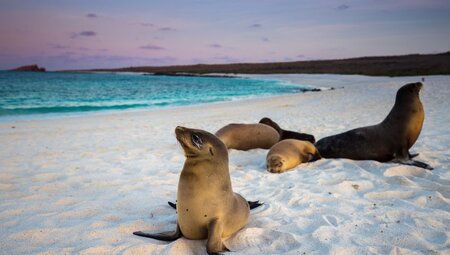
(418, 86)
(274, 164)
(179, 130)
(182, 135)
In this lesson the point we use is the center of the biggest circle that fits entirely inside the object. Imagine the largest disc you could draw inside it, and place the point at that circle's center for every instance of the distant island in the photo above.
(404, 65)
(29, 68)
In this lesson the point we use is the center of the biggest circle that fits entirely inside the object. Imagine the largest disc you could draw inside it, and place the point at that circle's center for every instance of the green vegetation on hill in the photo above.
(406, 65)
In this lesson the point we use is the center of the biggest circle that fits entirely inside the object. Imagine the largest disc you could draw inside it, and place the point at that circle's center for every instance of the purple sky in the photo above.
(98, 33)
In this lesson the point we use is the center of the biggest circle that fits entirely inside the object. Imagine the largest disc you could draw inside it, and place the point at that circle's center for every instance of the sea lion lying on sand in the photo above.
(286, 134)
(289, 153)
(207, 206)
(248, 136)
(389, 140)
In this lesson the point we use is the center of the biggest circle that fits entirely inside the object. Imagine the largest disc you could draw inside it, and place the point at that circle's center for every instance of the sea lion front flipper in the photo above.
(164, 236)
(215, 244)
(411, 162)
(252, 204)
(413, 155)
(173, 205)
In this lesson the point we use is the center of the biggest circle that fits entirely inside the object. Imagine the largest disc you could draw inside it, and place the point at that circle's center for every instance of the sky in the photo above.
(82, 34)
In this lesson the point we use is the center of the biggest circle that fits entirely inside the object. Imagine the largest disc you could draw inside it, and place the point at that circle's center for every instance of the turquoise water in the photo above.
(28, 93)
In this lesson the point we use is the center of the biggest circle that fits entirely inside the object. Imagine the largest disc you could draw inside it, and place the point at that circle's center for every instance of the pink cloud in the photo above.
(83, 33)
(91, 15)
(151, 47)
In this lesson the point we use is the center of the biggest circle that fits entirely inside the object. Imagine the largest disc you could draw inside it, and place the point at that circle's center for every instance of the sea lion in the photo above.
(389, 140)
(207, 206)
(248, 136)
(289, 153)
(286, 134)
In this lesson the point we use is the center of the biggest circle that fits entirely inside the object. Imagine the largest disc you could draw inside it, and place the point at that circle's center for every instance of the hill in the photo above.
(405, 65)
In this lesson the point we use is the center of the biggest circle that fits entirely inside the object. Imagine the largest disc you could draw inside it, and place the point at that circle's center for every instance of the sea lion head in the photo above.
(198, 143)
(409, 91)
(275, 163)
(270, 122)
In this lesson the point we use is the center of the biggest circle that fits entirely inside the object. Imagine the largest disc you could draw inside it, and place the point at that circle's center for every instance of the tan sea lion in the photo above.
(286, 134)
(289, 153)
(248, 136)
(207, 207)
(389, 140)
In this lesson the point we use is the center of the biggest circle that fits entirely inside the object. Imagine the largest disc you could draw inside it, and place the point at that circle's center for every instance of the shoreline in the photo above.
(291, 79)
(143, 110)
(101, 111)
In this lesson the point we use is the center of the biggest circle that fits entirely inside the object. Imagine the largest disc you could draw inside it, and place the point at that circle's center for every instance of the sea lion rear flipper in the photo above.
(422, 165)
(411, 162)
(164, 236)
(254, 204)
(215, 231)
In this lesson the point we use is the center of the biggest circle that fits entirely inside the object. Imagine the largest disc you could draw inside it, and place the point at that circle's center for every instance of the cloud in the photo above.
(300, 56)
(256, 25)
(151, 47)
(145, 24)
(215, 45)
(166, 29)
(87, 33)
(91, 15)
(342, 7)
(58, 46)
(265, 39)
(83, 33)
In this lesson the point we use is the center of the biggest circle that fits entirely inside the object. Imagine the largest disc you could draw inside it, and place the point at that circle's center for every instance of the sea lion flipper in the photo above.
(422, 165)
(173, 205)
(411, 162)
(254, 204)
(413, 155)
(164, 236)
(215, 231)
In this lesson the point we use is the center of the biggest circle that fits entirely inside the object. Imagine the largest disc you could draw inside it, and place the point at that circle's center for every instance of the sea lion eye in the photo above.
(197, 141)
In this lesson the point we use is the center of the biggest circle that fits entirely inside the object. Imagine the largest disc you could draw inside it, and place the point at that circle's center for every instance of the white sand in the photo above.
(83, 184)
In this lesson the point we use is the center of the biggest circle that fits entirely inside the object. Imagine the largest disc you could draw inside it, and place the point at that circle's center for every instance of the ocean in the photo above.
(25, 94)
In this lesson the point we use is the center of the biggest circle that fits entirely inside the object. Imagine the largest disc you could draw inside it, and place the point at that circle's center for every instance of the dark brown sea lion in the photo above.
(207, 207)
(286, 134)
(389, 140)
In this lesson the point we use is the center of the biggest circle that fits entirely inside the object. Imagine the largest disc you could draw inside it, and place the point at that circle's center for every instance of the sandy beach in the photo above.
(83, 184)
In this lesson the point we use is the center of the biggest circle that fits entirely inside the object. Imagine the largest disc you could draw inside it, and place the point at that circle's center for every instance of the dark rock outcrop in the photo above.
(29, 68)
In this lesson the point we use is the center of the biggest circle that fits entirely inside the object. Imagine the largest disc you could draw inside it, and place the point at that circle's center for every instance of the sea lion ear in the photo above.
(211, 151)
